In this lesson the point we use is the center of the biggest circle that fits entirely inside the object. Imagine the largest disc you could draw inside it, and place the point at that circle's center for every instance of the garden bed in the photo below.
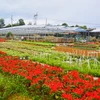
(44, 82)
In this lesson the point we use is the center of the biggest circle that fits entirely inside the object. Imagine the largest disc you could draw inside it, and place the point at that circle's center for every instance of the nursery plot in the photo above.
(44, 82)
(78, 52)
(47, 55)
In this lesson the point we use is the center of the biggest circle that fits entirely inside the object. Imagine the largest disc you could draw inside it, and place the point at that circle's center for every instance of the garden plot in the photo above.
(41, 54)
(44, 82)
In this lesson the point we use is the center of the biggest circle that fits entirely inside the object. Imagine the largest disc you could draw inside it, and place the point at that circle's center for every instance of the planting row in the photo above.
(51, 57)
(51, 82)
(2, 40)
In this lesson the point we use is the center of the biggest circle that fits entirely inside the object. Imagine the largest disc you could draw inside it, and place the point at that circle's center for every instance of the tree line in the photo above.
(21, 22)
(84, 26)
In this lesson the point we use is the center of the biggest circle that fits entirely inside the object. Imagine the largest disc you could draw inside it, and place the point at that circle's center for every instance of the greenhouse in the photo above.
(31, 29)
(44, 32)
(40, 29)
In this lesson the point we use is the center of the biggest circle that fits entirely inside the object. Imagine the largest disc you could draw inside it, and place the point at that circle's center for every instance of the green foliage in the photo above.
(15, 24)
(36, 52)
(77, 26)
(84, 27)
(2, 23)
(64, 24)
(9, 25)
(10, 84)
(21, 22)
(9, 34)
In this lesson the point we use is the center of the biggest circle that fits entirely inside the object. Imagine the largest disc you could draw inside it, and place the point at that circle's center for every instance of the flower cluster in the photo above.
(71, 85)
(2, 40)
(2, 53)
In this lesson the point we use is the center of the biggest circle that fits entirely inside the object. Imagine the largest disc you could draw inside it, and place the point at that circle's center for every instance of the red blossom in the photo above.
(40, 74)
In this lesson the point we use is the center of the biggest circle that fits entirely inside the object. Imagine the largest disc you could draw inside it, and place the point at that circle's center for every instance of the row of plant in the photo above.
(44, 82)
(66, 61)
(79, 51)
(40, 43)
(87, 46)
(2, 40)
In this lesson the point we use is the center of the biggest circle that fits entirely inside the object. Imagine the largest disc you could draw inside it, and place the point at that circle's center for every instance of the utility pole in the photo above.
(11, 20)
(46, 22)
(35, 18)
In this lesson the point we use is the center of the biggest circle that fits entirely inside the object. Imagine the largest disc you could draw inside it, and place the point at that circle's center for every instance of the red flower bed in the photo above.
(71, 85)
(2, 53)
(2, 40)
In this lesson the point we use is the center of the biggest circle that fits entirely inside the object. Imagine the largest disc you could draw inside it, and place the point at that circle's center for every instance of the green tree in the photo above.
(15, 24)
(64, 24)
(72, 26)
(84, 27)
(9, 25)
(9, 35)
(21, 22)
(76, 25)
(2, 23)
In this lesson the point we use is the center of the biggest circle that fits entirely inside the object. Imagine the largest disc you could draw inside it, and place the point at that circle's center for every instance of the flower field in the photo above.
(77, 51)
(26, 70)
(52, 82)
(2, 40)
(45, 53)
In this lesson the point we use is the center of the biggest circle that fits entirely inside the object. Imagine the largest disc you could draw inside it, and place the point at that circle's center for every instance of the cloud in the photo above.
(57, 11)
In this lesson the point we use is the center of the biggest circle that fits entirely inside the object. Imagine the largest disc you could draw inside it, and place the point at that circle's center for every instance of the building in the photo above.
(37, 31)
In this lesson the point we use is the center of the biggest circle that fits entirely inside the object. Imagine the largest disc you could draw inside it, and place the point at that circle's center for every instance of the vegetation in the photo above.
(9, 35)
(2, 23)
(21, 22)
(39, 53)
(23, 79)
(43, 82)
(64, 24)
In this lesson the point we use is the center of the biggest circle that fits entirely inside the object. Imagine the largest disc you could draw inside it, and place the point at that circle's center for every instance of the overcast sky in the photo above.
(81, 12)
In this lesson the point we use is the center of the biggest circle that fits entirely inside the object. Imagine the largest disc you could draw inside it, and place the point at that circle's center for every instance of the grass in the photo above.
(10, 85)
(40, 43)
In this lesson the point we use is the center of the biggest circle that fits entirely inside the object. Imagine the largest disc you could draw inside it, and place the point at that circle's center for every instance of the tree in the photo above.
(72, 26)
(64, 24)
(2, 23)
(84, 27)
(9, 34)
(9, 25)
(21, 22)
(15, 24)
(76, 25)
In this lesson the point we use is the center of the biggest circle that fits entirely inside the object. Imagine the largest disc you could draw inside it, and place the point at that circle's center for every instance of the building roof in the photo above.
(33, 29)
(75, 29)
(96, 30)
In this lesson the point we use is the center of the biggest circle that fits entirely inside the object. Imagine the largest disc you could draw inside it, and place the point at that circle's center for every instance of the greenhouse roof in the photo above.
(96, 30)
(32, 29)
(75, 29)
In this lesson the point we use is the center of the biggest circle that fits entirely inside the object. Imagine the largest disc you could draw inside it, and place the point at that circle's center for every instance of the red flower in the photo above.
(67, 96)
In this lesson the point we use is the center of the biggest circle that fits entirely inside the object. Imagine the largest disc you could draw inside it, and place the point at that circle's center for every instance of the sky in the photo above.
(72, 12)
